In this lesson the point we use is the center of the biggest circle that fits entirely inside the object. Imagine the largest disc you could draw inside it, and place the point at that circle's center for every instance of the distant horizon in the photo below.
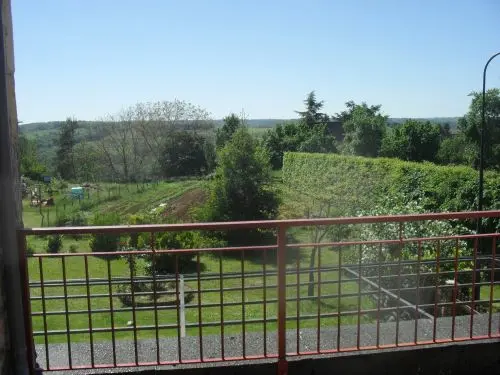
(21, 123)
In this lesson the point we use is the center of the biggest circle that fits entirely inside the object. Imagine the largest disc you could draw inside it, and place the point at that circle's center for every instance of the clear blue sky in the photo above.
(89, 58)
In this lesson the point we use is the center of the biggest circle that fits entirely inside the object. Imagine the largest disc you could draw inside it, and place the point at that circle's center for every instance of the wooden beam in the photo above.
(16, 362)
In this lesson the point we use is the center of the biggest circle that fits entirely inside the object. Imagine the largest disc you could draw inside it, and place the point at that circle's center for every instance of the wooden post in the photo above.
(16, 361)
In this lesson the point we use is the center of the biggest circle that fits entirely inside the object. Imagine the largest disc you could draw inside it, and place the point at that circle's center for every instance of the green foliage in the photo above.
(105, 242)
(30, 165)
(292, 136)
(457, 150)
(166, 263)
(357, 183)
(364, 129)
(231, 124)
(241, 189)
(87, 165)
(283, 138)
(54, 243)
(470, 125)
(413, 141)
(75, 219)
(312, 116)
(386, 254)
(65, 161)
(186, 154)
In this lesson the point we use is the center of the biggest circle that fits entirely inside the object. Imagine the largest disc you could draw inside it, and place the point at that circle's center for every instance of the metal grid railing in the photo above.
(116, 309)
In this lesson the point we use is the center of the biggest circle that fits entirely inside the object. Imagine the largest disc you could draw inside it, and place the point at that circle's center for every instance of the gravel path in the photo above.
(254, 342)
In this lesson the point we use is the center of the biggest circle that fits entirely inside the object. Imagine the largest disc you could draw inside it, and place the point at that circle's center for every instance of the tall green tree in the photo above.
(231, 124)
(88, 167)
(186, 154)
(65, 157)
(29, 164)
(413, 141)
(364, 129)
(312, 114)
(470, 126)
(457, 150)
(242, 187)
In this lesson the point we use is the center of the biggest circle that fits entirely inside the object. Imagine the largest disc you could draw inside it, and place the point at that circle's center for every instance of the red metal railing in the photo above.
(295, 297)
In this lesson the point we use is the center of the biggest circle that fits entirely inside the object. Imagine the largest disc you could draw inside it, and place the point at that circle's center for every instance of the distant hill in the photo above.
(452, 121)
(253, 123)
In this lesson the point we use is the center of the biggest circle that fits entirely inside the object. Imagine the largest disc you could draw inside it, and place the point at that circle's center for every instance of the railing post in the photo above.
(182, 306)
(28, 328)
(282, 362)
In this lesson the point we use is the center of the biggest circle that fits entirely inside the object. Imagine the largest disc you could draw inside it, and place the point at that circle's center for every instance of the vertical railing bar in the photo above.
(153, 266)
(221, 284)
(243, 302)
(437, 294)
(318, 337)
(400, 253)
(65, 289)
(89, 310)
(417, 314)
(282, 362)
(492, 282)
(379, 281)
(358, 337)
(178, 299)
(44, 310)
(264, 285)
(111, 307)
(134, 315)
(455, 290)
(339, 298)
(200, 328)
(297, 267)
(473, 305)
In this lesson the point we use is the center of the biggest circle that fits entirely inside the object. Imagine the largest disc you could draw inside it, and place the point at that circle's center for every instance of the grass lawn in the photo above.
(485, 295)
(233, 309)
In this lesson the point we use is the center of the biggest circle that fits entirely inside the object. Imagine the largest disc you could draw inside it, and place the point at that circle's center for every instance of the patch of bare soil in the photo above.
(181, 207)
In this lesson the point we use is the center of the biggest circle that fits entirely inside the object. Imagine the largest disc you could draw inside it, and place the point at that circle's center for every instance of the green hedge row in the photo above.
(358, 183)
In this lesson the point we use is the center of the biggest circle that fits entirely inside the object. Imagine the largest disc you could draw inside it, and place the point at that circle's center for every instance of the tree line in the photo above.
(364, 130)
(169, 139)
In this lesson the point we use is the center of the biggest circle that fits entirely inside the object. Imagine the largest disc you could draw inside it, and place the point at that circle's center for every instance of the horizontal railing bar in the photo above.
(253, 321)
(254, 274)
(258, 287)
(126, 281)
(264, 224)
(394, 241)
(232, 304)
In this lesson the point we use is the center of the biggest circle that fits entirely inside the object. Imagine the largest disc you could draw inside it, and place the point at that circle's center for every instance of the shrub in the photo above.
(73, 248)
(105, 242)
(54, 244)
(166, 263)
(78, 220)
(62, 220)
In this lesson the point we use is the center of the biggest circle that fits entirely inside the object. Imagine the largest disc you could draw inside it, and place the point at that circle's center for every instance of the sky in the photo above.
(91, 58)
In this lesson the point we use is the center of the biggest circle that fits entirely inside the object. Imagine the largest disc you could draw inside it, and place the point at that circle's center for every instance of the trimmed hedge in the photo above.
(362, 182)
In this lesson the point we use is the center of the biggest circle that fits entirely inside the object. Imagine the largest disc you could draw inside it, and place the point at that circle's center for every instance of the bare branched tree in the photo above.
(134, 138)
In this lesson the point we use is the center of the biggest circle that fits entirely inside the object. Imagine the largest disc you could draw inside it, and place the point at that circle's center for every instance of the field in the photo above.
(179, 198)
